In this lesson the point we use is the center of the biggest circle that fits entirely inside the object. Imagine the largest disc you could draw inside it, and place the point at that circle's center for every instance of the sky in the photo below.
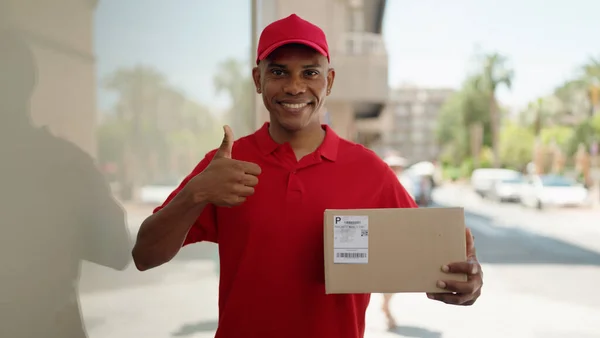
(430, 42)
(184, 39)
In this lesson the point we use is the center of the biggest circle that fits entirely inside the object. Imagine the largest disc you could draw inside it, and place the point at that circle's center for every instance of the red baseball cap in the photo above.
(292, 29)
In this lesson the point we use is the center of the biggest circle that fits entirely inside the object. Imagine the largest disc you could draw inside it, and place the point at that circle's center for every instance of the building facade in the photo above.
(358, 54)
(411, 122)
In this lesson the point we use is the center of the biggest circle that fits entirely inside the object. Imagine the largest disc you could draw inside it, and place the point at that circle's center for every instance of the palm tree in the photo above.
(543, 112)
(591, 70)
(494, 74)
(577, 96)
(591, 76)
(574, 98)
(138, 89)
(234, 78)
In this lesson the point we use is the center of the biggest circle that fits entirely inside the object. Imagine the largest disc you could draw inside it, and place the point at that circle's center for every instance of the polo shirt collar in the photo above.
(328, 149)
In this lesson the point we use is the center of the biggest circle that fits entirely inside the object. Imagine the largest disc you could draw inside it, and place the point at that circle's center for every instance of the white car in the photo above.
(540, 191)
(507, 189)
(483, 179)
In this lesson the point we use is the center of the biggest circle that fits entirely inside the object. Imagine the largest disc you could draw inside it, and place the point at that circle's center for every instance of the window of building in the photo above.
(418, 109)
(418, 136)
(419, 123)
(402, 110)
(433, 109)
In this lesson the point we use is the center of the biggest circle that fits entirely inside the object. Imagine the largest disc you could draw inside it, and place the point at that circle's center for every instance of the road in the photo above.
(541, 272)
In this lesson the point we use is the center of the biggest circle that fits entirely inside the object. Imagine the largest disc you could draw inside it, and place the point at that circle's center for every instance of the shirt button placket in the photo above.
(294, 191)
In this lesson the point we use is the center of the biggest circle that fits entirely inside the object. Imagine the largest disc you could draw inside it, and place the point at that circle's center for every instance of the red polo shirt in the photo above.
(272, 281)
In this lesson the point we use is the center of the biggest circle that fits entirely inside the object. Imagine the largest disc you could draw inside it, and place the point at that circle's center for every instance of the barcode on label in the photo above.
(351, 255)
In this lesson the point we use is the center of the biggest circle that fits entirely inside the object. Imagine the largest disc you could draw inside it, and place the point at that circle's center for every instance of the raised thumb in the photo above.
(227, 144)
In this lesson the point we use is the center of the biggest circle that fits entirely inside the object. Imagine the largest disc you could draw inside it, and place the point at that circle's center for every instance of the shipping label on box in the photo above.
(350, 239)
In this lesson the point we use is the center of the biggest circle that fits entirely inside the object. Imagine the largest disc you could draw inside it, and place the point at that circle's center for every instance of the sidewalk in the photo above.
(500, 313)
(578, 226)
(185, 305)
(595, 197)
(179, 299)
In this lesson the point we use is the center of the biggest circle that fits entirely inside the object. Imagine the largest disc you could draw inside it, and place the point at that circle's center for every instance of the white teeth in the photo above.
(294, 105)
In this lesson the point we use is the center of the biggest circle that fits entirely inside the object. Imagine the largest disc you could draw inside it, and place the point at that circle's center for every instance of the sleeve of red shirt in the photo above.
(205, 227)
(393, 194)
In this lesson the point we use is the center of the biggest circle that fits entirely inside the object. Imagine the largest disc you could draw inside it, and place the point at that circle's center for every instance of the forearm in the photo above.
(162, 234)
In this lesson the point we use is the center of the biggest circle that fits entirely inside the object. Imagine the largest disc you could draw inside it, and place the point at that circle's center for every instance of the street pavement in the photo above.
(578, 226)
(541, 272)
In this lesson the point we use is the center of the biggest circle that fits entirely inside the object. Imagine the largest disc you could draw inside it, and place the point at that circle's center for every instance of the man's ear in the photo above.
(330, 79)
(256, 78)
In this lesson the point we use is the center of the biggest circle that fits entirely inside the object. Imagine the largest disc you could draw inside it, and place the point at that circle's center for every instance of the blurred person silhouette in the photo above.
(397, 164)
(56, 210)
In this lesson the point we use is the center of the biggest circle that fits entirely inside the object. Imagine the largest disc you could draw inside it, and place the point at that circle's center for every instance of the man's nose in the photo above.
(295, 86)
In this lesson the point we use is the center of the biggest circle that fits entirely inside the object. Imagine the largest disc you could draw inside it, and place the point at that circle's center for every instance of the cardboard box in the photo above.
(392, 250)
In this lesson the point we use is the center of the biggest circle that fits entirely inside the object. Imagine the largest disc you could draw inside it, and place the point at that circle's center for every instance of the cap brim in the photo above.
(274, 46)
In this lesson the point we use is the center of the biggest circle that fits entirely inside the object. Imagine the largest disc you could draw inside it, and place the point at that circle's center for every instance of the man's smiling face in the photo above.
(294, 82)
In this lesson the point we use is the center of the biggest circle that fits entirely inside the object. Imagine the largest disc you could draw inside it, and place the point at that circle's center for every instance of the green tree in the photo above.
(567, 118)
(575, 104)
(465, 109)
(576, 94)
(451, 131)
(591, 71)
(541, 113)
(234, 78)
(156, 132)
(584, 133)
(111, 135)
(591, 77)
(494, 74)
(595, 122)
(559, 135)
(138, 89)
(516, 146)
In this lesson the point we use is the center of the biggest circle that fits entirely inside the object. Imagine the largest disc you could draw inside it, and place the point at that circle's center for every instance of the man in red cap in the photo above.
(262, 198)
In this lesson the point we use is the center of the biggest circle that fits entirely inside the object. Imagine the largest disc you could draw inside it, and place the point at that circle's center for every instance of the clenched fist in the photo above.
(225, 181)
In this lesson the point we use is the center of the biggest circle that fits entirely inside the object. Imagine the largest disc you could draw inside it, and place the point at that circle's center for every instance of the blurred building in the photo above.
(409, 122)
(358, 54)
(60, 36)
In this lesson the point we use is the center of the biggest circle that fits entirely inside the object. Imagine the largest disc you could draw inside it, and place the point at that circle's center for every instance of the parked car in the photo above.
(483, 179)
(507, 189)
(540, 191)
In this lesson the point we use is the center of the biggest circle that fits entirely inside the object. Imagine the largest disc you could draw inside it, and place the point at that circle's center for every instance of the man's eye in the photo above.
(312, 73)
(277, 72)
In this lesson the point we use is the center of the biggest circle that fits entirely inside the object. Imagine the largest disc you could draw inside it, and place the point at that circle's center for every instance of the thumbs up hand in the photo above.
(225, 181)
